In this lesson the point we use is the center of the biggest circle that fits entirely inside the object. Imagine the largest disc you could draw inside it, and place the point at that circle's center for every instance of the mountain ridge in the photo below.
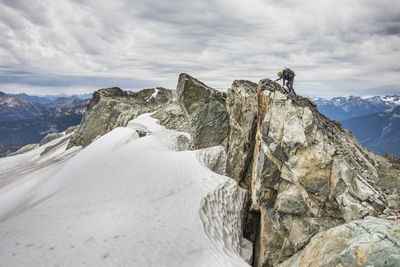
(341, 108)
(306, 176)
(379, 132)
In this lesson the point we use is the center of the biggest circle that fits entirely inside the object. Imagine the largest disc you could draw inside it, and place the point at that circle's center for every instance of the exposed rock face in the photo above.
(205, 110)
(112, 107)
(369, 242)
(155, 96)
(242, 109)
(309, 174)
(172, 117)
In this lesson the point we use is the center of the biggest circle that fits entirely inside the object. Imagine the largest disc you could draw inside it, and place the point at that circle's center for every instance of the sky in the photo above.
(335, 47)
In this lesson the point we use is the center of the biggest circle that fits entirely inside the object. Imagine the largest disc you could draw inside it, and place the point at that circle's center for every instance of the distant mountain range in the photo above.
(341, 108)
(28, 120)
(14, 108)
(380, 132)
(47, 99)
(375, 121)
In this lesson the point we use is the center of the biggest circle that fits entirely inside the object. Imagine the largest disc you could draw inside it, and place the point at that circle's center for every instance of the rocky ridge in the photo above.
(111, 107)
(309, 174)
(305, 174)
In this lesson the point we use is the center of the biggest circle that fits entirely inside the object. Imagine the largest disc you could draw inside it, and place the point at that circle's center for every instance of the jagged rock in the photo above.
(369, 242)
(50, 137)
(111, 108)
(154, 96)
(242, 108)
(205, 110)
(172, 117)
(309, 174)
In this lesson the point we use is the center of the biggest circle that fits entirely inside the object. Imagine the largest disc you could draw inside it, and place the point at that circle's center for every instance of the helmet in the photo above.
(280, 73)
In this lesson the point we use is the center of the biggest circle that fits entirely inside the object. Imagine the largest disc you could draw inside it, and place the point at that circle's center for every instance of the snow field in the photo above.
(121, 201)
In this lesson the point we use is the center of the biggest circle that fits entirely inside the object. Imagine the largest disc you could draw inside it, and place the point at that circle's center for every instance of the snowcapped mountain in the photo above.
(48, 99)
(341, 108)
(372, 119)
(121, 201)
(379, 132)
(13, 108)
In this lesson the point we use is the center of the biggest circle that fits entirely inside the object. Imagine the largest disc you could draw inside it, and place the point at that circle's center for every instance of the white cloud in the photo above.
(333, 46)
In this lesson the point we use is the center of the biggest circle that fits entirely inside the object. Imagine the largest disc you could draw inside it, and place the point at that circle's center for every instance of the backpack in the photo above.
(288, 74)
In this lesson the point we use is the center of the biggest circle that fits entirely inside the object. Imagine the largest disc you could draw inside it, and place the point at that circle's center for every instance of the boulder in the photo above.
(369, 242)
(205, 111)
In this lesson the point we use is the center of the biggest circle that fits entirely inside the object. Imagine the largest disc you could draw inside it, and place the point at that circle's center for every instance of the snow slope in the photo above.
(121, 201)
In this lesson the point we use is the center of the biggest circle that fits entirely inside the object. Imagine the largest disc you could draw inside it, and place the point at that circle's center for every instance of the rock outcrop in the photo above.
(309, 174)
(205, 111)
(172, 117)
(154, 96)
(369, 242)
(112, 107)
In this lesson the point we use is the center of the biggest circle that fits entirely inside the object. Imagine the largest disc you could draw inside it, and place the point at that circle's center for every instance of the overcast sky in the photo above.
(336, 47)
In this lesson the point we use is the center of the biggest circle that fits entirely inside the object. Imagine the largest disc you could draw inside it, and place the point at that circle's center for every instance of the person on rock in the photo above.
(287, 75)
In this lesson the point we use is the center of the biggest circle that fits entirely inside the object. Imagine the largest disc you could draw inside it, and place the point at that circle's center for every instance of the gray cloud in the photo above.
(335, 47)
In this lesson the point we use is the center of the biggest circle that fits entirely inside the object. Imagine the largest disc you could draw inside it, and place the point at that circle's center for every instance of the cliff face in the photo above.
(308, 175)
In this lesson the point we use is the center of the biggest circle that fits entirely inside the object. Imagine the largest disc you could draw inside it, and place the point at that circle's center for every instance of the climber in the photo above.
(287, 75)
